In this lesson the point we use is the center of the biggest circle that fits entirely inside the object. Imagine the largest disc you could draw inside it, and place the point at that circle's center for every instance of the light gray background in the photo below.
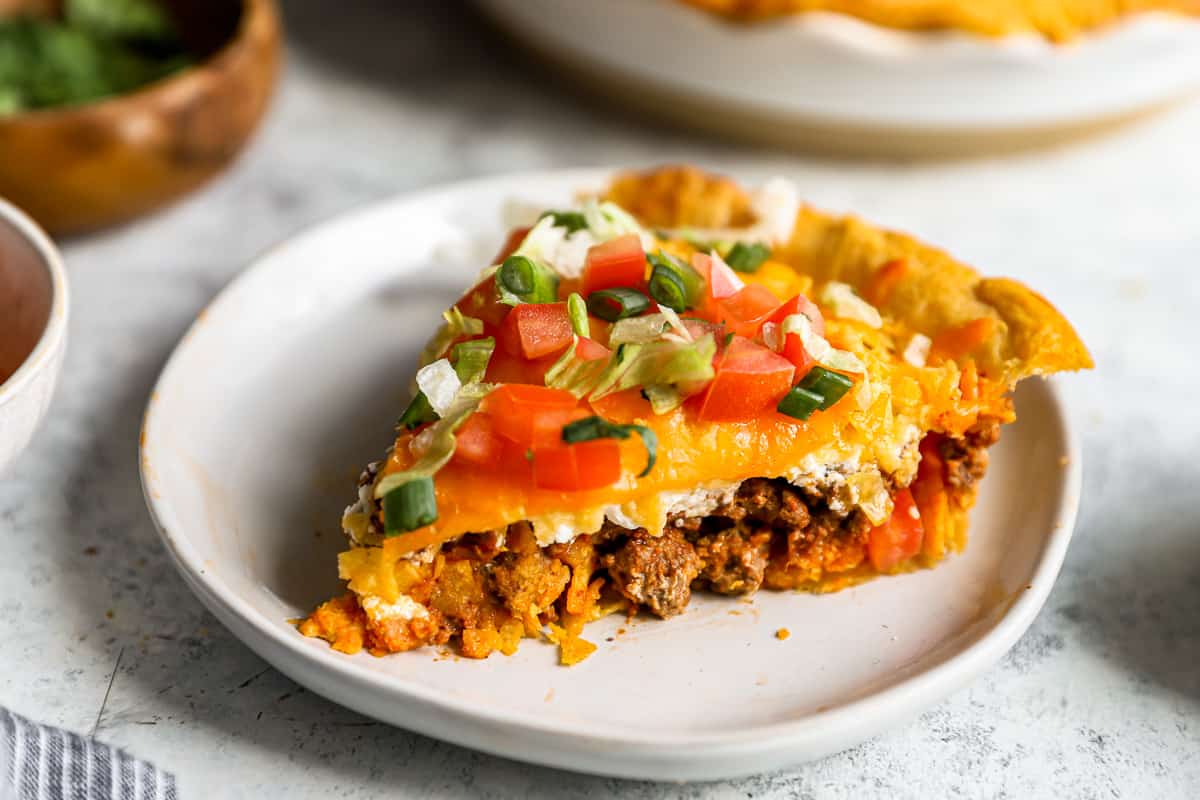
(1100, 698)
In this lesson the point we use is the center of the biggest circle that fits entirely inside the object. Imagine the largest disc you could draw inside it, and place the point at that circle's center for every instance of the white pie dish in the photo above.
(836, 81)
(33, 328)
(291, 380)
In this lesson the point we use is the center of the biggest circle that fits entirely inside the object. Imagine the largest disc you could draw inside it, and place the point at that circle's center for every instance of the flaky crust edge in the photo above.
(934, 295)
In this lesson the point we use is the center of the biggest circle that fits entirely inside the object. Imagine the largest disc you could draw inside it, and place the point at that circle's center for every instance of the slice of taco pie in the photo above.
(682, 386)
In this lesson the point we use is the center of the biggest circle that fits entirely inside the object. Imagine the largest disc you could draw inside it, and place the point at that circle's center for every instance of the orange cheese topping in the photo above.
(872, 424)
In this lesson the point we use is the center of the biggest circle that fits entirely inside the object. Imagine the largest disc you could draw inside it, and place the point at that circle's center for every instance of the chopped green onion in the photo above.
(618, 303)
(471, 358)
(409, 506)
(523, 280)
(672, 283)
(517, 273)
(577, 312)
(590, 428)
(747, 257)
(830, 386)
(800, 403)
(456, 326)
(419, 412)
(571, 220)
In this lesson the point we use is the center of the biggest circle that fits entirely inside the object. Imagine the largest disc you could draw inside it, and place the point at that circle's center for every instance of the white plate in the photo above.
(292, 379)
(792, 78)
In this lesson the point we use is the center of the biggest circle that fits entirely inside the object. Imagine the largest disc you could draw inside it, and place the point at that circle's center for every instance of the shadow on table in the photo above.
(446, 55)
(1144, 614)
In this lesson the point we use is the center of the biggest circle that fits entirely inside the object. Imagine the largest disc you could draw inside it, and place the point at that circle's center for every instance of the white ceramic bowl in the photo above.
(33, 328)
(292, 379)
(834, 80)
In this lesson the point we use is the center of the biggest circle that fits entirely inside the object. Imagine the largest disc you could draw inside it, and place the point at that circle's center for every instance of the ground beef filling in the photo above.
(489, 589)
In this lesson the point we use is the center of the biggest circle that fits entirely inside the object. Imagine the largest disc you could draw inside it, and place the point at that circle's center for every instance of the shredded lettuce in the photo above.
(608, 220)
(436, 443)
(841, 299)
(456, 326)
(578, 313)
(638, 330)
(821, 350)
(574, 374)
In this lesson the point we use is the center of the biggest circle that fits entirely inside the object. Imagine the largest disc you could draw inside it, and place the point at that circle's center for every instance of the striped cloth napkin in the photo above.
(38, 762)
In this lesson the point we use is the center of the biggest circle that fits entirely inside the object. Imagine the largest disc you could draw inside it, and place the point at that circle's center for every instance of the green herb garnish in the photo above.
(674, 284)
(617, 303)
(571, 220)
(523, 280)
(829, 385)
(800, 403)
(410, 506)
(747, 257)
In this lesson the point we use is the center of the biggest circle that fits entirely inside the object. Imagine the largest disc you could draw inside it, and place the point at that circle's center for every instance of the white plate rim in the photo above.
(1027, 70)
(892, 703)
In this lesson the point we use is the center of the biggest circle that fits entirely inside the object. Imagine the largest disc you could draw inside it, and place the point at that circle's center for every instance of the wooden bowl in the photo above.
(83, 167)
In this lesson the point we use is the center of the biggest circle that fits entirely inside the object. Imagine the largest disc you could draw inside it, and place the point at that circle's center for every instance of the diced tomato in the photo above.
(795, 352)
(617, 262)
(800, 305)
(793, 349)
(534, 330)
(504, 368)
(575, 467)
(511, 244)
(480, 302)
(624, 406)
(720, 279)
(750, 380)
(590, 350)
(898, 539)
(532, 416)
(516, 461)
(745, 312)
(477, 442)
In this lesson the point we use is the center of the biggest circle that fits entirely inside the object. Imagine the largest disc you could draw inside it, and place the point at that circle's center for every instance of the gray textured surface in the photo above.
(1100, 698)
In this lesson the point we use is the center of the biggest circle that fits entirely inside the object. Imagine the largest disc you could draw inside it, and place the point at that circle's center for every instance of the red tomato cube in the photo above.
(750, 380)
(534, 330)
(615, 263)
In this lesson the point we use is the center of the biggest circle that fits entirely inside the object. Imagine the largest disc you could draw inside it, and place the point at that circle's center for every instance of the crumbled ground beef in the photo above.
(770, 534)
(966, 459)
(734, 561)
(655, 572)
